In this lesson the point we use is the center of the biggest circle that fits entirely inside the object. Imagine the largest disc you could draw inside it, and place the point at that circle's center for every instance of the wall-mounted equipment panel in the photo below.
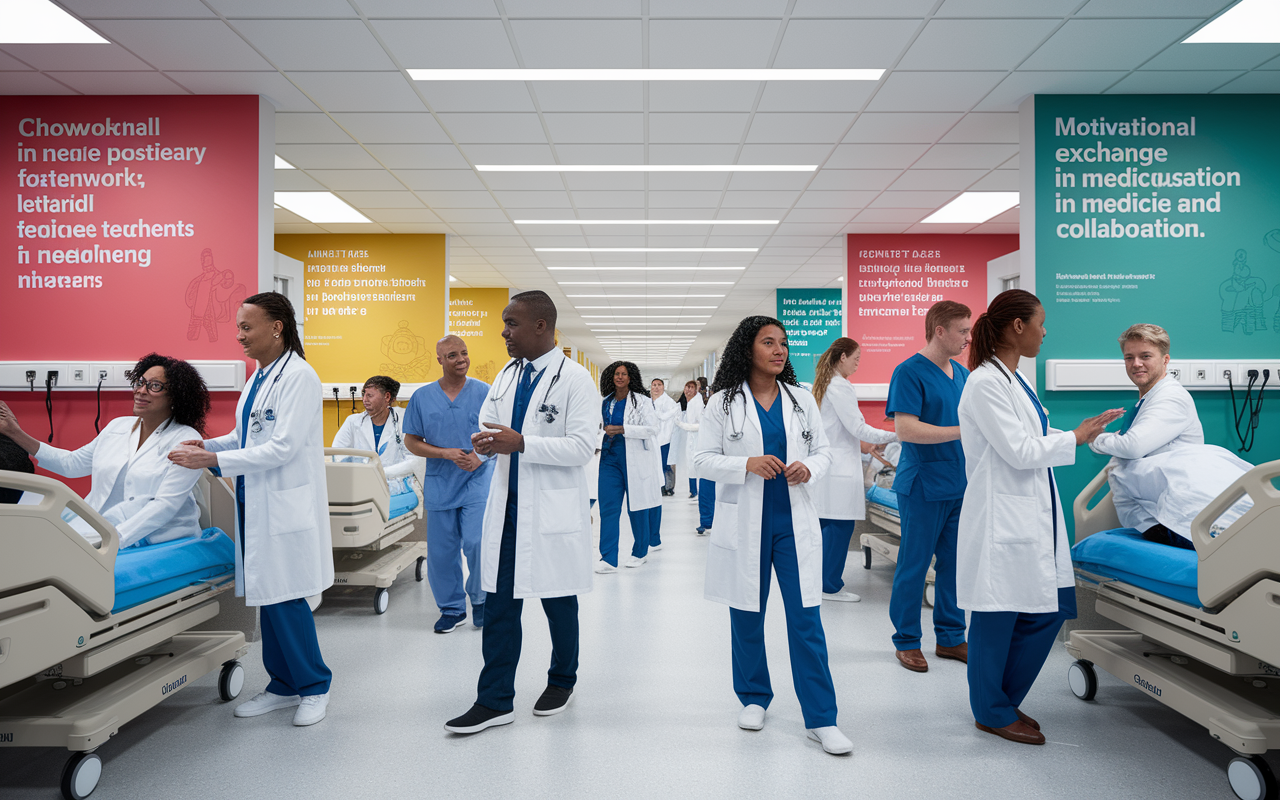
(1108, 374)
(219, 376)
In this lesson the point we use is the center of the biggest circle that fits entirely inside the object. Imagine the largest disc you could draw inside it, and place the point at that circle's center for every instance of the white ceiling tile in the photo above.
(441, 44)
(8, 62)
(600, 153)
(717, 8)
(73, 57)
(578, 43)
(591, 96)
(460, 215)
(572, 8)
(362, 179)
(734, 199)
(815, 95)
(697, 128)
(587, 128)
(900, 127)
(302, 227)
(913, 199)
(702, 96)
(875, 156)
(784, 153)
(692, 154)
(327, 156)
(838, 200)
(825, 229)
(136, 9)
(1016, 87)
(304, 128)
(844, 44)
(1203, 9)
(185, 44)
(770, 181)
(295, 180)
(418, 156)
(1010, 217)
(429, 9)
(1151, 82)
(358, 91)
(1000, 180)
(845, 179)
(1011, 163)
(117, 82)
(524, 181)
(393, 128)
(800, 241)
(966, 156)
(320, 44)
(26, 83)
(1213, 56)
(457, 199)
(874, 227)
(1006, 8)
(358, 199)
(604, 181)
(493, 128)
(688, 181)
(992, 227)
(449, 180)
(510, 153)
(1107, 44)
(937, 179)
(476, 95)
(827, 215)
(903, 215)
(400, 215)
(934, 91)
(484, 229)
(283, 216)
(233, 9)
(329, 227)
(971, 44)
(534, 199)
(1254, 83)
(273, 86)
(984, 128)
(799, 128)
(711, 43)
(416, 227)
(684, 199)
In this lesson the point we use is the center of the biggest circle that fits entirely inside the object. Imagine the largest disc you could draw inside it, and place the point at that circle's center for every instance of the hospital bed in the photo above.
(93, 636)
(368, 522)
(882, 510)
(1203, 626)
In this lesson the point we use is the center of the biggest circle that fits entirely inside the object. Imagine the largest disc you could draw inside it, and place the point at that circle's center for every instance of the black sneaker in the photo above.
(554, 700)
(479, 718)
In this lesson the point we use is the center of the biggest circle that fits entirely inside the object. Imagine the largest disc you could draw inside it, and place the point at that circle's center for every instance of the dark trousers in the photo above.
(706, 502)
(836, 535)
(929, 529)
(502, 632)
(291, 651)
(668, 471)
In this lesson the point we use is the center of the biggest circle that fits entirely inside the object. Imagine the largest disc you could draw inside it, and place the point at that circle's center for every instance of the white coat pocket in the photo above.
(559, 510)
(292, 510)
(724, 528)
(1013, 519)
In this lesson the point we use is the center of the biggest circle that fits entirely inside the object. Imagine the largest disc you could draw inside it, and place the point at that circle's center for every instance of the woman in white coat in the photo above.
(762, 441)
(1013, 571)
(691, 406)
(284, 553)
(368, 431)
(839, 496)
(135, 487)
(700, 487)
(630, 463)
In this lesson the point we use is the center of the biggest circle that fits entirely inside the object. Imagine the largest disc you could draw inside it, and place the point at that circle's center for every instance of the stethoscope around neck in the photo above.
(269, 415)
(632, 416)
(806, 433)
(395, 423)
(515, 367)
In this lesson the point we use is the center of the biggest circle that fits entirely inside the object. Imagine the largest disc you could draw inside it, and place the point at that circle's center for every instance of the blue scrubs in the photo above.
(503, 634)
(454, 499)
(290, 648)
(706, 502)
(930, 483)
(805, 638)
(613, 485)
(836, 535)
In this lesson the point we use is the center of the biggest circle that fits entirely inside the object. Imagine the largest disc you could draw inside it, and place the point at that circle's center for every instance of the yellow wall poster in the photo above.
(475, 315)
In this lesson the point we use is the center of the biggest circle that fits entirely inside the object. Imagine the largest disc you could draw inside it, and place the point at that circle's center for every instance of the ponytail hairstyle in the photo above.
(277, 307)
(702, 389)
(988, 331)
(826, 369)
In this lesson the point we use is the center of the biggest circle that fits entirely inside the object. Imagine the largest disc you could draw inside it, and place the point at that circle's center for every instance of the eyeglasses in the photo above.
(154, 387)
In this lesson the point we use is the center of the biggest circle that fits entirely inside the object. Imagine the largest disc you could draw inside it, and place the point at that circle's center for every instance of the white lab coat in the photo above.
(287, 542)
(1005, 559)
(688, 421)
(158, 504)
(841, 495)
(644, 457)
(1173, 486)
(593, 466)
(666, 410)
(397, 462)
(554, 547)
(733, 559)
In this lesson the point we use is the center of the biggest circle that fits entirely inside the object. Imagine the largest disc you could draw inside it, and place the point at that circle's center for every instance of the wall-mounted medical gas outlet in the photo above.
(1102, 374)
(16, 376)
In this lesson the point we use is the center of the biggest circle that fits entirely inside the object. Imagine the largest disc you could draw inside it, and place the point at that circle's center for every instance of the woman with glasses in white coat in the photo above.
(284, 550)
(1013, 568)
(839, 496)
(761, 440)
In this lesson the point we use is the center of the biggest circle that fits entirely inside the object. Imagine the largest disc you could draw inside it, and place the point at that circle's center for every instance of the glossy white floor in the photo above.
(653, 715)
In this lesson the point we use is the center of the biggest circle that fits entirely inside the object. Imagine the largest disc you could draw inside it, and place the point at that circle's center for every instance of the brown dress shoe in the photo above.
(1019, 732)
(1026, 719)
(958, 653)
(912, 660)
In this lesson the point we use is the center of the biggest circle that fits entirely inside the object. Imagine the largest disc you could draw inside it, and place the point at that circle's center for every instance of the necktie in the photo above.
(523, 392)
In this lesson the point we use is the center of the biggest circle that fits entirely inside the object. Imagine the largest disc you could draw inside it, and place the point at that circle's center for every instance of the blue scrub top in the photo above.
(377, 436)
(777, 494)
(919, 387)
(614, 416)
(442, 422)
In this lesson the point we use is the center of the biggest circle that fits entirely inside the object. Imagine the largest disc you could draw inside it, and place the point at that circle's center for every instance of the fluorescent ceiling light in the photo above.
(41, 22)
(973, 207)
(646, 167)
(646, 249)
(584, 308)
(646, 316)
(451, 278)
(282, 164)
(645, 221)
(655, 269)
(646, 296)
(1247, 22)
(645, 283)
(319, 207)
(645, 74)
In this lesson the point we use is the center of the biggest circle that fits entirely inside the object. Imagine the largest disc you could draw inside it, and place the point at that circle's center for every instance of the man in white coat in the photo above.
(540, 422)
(668, 410)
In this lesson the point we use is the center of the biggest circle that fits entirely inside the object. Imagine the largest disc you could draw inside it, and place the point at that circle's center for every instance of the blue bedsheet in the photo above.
(403, 503)
(882, 496)
(149, 571)
(1123, 554)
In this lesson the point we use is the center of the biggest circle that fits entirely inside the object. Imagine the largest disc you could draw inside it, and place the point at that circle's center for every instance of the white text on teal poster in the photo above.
(812, 319)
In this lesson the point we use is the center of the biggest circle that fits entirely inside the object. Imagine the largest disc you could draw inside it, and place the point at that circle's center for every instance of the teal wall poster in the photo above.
(1161, 209)
(813, 319)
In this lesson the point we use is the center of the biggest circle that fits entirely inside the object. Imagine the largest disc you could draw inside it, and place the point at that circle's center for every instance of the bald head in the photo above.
(451, 353)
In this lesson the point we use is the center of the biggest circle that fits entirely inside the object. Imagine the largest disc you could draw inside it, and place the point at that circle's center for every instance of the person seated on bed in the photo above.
(13, 459)
(370, 431)
(135, 487)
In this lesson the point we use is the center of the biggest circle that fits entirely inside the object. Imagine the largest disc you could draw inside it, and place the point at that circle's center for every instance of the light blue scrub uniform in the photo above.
(930, 483)
(613, 485)
(454, 499)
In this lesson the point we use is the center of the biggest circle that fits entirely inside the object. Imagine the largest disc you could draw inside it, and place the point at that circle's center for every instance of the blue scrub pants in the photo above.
(805, 638)
(836, 535)
(928, 531)
(613, 485)
(1006, 651)
(693, 487)
(706, 502)
(451, 534)
(502, 633)
(291, 651)
(668, 472)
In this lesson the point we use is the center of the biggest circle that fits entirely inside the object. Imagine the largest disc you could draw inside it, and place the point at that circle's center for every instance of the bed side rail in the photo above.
(1246, 550)
(1102, 515)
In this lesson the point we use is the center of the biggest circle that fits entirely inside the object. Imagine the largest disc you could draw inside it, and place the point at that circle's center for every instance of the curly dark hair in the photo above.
(635, 384)
(734, 366)
(384, 384)
(188, 396)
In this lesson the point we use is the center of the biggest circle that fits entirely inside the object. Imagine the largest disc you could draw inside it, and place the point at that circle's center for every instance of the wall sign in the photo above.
(812, 319)
(475, 315)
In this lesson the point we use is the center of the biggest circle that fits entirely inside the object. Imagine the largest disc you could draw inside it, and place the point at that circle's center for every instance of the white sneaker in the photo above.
(312, 709)
(265, 703)
(605, 568)
(653, 548)
(832, 740)
(634, 562)
(751, 718)
(842, 597)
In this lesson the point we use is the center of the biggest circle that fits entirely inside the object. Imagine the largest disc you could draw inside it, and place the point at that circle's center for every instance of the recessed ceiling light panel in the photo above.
(973, 207)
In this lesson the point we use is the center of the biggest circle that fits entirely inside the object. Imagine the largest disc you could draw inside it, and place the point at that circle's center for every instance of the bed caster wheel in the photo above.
(381, 599)
(417, 570)
(928, 595)
(230, 681)
(1083, 679)
(80, 776)
(866, 557)
(1251, 778)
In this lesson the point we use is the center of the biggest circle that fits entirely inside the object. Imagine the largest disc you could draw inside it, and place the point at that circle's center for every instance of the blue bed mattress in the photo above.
(1124, 555)
(403, 503)
(149, 571)
(882, 496)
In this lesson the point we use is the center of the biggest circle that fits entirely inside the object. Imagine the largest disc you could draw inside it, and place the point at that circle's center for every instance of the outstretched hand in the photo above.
(1089, 429)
